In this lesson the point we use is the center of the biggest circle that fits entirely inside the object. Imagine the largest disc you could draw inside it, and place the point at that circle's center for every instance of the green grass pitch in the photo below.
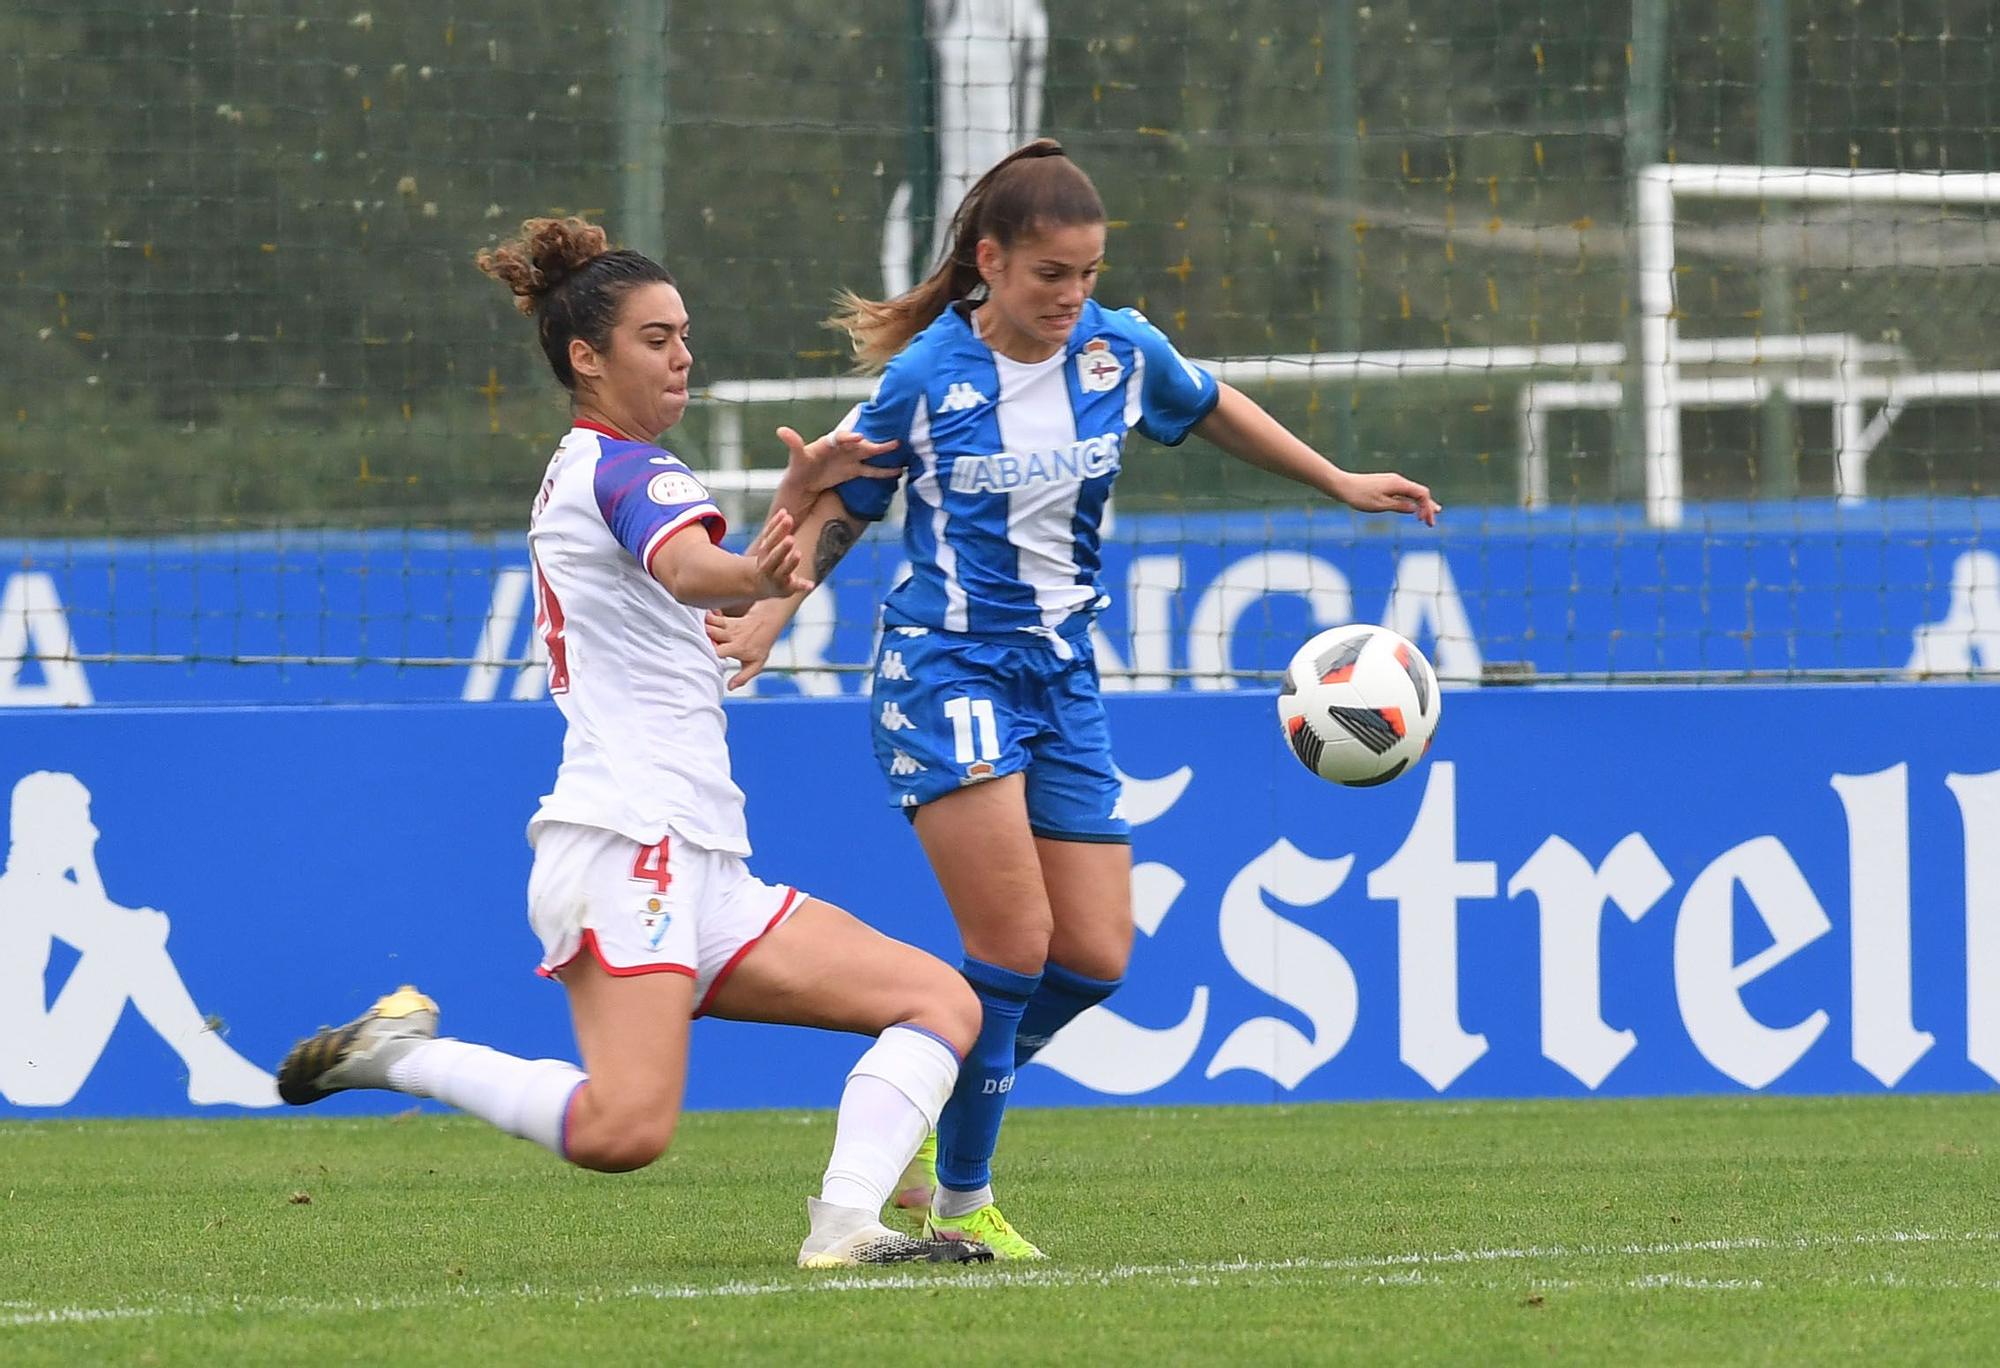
(1742, 1230)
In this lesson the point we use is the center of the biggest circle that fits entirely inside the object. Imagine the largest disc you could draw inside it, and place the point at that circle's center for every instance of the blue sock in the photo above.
(970, 1125)
(1063, 997)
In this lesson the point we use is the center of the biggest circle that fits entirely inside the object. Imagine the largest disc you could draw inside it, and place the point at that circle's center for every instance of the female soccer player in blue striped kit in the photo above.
(1011, 394)
(647, 912)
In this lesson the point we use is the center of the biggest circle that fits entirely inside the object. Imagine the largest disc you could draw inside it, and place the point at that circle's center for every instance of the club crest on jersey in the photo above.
(1097, 370)
(675, 487)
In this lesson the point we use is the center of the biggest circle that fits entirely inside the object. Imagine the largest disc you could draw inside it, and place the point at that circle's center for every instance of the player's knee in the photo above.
(1101, 961)
(621, 1141)
(956, 1011)
(1021, 945)
(939, 1001)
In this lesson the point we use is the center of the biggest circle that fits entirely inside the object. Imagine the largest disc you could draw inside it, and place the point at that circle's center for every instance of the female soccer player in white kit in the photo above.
(647, 913)
(1011, 394)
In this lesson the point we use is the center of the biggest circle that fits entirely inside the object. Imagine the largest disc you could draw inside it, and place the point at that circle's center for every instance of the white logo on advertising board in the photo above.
(51, 890)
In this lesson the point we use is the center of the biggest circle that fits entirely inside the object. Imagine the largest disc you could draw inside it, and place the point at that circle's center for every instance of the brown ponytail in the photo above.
(1031, 187)
(566, 276)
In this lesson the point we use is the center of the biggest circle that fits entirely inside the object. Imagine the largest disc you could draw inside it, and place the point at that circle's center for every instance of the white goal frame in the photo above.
(1661, 353)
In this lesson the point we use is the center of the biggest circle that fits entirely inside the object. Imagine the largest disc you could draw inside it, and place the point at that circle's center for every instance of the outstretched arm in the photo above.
(817, 466)
(1241, 427)
(828, 532)
(703, 575)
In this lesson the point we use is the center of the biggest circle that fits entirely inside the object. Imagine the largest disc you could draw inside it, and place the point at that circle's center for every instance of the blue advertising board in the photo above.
(1617, 891)
(1196, 601)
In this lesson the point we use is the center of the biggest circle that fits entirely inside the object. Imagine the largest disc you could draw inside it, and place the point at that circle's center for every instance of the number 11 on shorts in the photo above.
(964, 713)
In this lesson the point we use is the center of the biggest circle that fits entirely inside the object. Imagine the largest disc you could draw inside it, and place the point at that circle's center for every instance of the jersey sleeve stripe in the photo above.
(1135, 407)
(704, 513)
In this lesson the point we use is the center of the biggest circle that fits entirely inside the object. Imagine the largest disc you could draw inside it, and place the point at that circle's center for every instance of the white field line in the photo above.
(1378, 1270)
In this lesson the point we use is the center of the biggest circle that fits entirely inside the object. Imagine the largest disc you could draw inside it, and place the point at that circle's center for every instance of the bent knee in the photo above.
(957, 1011)
(941, 1002)
(1107, 961)
(1022, 948)
(619, 1142)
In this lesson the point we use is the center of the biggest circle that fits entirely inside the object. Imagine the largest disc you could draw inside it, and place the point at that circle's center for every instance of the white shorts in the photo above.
(671, 908)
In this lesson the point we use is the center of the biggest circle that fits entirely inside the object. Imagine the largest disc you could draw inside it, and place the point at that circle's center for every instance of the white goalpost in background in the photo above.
(1842, 371)
(1847, 388)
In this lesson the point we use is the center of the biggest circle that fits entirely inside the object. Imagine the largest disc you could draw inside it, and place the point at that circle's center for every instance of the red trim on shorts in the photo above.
(792, 896)
(597, 952)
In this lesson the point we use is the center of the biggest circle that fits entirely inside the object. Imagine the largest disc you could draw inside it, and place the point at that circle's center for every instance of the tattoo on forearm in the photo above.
(834, 540)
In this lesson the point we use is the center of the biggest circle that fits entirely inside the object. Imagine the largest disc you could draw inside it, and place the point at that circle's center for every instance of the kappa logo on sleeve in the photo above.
(675, 487)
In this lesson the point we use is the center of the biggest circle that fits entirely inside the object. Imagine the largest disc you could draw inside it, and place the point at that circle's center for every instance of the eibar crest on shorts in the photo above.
(1097, 369)
(654, 919)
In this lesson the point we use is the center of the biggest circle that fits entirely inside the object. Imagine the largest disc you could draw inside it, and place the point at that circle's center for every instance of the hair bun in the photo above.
(548, 252)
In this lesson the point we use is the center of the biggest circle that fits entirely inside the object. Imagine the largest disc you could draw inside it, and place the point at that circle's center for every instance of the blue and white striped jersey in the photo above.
(1008, 464)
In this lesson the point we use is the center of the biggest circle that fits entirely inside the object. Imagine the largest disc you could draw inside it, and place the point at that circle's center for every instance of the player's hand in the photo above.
(1389, 493)
(747, 639)
(776, 556)
(835, 459)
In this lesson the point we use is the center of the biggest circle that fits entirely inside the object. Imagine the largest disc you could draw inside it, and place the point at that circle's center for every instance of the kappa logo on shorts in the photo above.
(894, 719)
(903, 763)
(913, 631)
(654, 919)
(893, 666)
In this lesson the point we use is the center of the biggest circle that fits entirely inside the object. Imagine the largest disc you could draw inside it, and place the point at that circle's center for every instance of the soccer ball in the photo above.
(1359, 705)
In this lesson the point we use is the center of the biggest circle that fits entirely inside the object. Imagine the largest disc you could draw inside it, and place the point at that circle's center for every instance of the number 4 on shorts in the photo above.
(650, 866)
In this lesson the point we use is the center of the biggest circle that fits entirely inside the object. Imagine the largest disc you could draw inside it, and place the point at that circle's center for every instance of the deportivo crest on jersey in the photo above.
(962, 395)
(1097, 370)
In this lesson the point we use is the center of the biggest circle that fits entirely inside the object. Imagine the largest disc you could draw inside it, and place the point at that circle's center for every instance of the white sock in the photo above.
(949, 1204)
(524, 1097)
(891, 1102)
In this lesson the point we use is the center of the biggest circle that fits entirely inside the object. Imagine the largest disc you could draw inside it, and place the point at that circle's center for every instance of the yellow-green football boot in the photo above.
(985, 1226)
(919, 1180)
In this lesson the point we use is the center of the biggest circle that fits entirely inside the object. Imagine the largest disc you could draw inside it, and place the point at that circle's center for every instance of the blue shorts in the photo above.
(951, 710)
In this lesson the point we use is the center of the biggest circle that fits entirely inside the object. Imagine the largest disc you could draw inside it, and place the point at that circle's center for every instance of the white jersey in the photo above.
(630, 666)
